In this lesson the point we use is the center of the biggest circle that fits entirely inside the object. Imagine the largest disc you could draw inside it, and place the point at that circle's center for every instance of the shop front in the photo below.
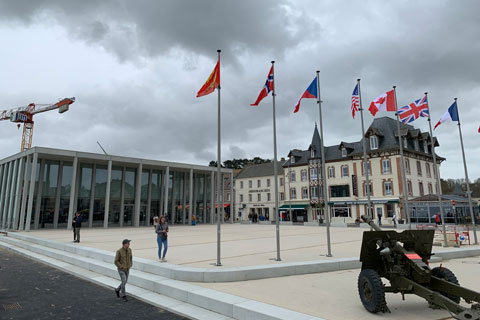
(294, 212)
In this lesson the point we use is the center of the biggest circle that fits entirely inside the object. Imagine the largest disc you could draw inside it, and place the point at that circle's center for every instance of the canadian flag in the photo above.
(384, 102)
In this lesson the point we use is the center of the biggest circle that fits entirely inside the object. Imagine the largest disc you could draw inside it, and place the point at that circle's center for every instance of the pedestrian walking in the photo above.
(77, 225)
(379, 215)
(155, 222)
(162, 238)
(123, 261)
(394, 219)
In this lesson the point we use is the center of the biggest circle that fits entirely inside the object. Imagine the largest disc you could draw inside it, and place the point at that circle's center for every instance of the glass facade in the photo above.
(129, 196)
(156, 204)
(65, 194)
(99, 195)
(116, 191)
(49, 194)
(51, 201)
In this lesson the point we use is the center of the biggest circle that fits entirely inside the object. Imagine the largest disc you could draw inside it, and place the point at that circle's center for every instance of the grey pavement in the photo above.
(32, 290)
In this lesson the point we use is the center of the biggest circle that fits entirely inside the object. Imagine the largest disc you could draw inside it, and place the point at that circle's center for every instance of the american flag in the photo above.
(416, 109)
(355, 101)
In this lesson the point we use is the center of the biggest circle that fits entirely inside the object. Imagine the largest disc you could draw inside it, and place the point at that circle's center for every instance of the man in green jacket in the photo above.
(123, 261)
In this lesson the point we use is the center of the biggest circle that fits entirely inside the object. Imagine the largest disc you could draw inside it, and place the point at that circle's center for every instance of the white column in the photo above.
(12, 194)
(32, 191)
(212, 198)
(92, 196)
(138, 195)
(190, 198)
(165, 183)
(26, 186)
(20, 178)
(58, 194)
(107, 194)
(4, 195)
(38, 203)
(72, 193)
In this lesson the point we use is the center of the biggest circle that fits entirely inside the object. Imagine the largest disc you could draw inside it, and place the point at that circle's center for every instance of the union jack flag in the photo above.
(355, 101)
(416, 109)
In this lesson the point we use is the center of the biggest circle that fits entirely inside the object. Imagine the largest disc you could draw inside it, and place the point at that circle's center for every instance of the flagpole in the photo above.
(365, 167)
(325, 194)
(437, 174)
(404, 179)
(466, 179)
(277, 222)
(219, 172)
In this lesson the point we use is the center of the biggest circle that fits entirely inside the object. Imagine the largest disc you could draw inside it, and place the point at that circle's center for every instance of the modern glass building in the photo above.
(44, 187)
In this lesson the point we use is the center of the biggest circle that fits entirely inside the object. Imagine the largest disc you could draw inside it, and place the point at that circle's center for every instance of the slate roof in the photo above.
(384, 128)
(260, 170)
(445, 197)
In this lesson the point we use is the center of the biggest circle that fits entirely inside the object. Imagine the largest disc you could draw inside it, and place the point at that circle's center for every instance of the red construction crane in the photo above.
(25, 115)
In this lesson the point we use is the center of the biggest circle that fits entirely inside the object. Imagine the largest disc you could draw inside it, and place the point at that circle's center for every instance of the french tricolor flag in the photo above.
(450, 115)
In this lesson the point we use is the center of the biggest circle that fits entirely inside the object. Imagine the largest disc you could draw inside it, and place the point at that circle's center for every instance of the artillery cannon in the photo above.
(403, 259)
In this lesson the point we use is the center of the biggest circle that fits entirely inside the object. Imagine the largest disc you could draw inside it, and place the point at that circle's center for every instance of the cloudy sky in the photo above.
(135, 67)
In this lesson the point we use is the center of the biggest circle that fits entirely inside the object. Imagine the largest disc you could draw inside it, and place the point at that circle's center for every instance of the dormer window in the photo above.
(404, 142)
(373, 143)
(312, 153)
(416, 145)
(425, 146)
(292, 159)
(344, 152)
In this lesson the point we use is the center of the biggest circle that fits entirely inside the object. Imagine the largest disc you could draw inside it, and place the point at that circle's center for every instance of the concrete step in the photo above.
(177, 272)
(224, 304)
(159, 300)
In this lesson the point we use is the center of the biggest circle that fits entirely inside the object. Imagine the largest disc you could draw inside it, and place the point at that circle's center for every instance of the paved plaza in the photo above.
(242, 244)
(32, 290)
(334, 295)
(330, 295)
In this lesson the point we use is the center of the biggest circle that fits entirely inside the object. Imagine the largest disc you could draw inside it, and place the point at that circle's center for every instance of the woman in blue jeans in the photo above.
(162, 238)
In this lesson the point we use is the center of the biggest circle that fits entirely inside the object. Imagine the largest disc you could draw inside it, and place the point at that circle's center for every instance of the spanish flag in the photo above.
(212, 82)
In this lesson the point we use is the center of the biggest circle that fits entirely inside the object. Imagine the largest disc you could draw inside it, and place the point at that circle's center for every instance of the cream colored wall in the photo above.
(376, 178)
(245, 191)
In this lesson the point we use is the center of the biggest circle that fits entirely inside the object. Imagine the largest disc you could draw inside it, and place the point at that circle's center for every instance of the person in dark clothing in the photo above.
(162, 238)
(77, 225)
(123, 261)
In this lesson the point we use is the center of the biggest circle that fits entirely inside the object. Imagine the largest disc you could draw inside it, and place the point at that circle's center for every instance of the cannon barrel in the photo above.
(371, 223)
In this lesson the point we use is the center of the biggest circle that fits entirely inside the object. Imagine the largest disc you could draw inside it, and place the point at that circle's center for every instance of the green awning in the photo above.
(294, 206)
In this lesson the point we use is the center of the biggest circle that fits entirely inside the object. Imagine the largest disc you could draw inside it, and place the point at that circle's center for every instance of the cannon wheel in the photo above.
(372, 291)
(448, 275)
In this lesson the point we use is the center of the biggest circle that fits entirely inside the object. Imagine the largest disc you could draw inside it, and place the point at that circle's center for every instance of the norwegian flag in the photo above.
(355, 101)
(266, 88)
(416, 109)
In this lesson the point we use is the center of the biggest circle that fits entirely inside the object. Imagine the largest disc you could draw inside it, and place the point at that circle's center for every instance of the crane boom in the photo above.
(25, 115)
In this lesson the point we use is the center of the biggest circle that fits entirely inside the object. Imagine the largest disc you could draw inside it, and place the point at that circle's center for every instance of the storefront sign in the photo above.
(259, 190)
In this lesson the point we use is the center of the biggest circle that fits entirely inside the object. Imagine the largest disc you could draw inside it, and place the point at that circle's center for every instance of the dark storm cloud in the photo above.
(154, 27)
(418, 46)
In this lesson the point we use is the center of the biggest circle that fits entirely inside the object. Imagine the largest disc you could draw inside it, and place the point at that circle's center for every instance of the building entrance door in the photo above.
(128, 215)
